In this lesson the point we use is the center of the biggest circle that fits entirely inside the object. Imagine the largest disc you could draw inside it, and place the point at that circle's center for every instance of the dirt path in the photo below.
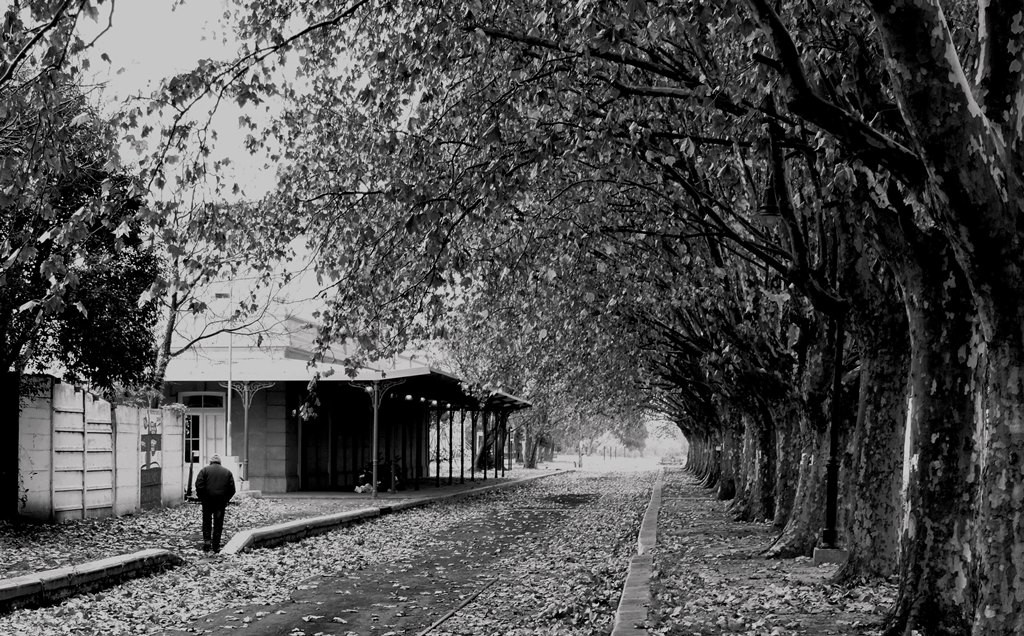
(712, 579)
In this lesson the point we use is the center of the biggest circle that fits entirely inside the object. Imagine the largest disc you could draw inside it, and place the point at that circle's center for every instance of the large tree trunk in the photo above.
(800, 534)
(807, 517)
(731, 458)
(485, 454)
(530, 454)
(702, 458)
(874, 477)
(756, 501)
(936, 582)
(872, 482)
(999, 529)
(712, 460)
(787, 466)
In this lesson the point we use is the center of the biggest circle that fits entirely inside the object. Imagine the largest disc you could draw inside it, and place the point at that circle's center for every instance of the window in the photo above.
(191, 438)
(203, 400)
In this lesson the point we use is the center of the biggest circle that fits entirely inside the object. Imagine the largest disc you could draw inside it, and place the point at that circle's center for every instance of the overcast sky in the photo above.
(150, 40)
(153, 39)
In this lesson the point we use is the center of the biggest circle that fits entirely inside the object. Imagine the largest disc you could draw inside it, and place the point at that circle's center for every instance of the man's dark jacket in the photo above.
(215, 485)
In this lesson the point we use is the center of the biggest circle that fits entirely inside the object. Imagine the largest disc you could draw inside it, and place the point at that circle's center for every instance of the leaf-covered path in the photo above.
(557, 550)
(711, 578)
(550, 555)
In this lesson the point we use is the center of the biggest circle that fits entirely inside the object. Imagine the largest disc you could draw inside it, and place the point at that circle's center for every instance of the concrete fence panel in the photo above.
(126, 458)
(79, 458)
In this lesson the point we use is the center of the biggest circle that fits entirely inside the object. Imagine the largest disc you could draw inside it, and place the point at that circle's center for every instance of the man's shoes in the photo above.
(206, 546)
(216, 548)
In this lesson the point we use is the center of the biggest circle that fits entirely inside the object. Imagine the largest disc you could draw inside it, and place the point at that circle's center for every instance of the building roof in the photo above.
(290, 361)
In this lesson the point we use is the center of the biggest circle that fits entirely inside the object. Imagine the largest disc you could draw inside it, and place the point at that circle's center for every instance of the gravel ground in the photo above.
(568, 584)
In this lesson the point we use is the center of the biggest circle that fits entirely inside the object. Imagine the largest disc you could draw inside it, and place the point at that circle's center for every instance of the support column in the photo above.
(462, 446)
(472, 445)
(418, 443)
(437, 450)
(484, 446)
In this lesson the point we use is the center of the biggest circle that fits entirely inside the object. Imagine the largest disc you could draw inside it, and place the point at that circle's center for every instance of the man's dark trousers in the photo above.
(213, 523)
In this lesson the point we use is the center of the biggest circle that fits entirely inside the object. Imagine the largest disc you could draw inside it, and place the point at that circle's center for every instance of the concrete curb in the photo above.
(49, 586)
(631, 615)
(296, 530)
(299, 529)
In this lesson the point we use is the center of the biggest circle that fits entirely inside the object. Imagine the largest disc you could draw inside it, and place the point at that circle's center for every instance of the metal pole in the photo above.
(451, 447)
(245, 431)
(376, 408)
(484, 445)
(418, 452)
(85, 460)
(472, 446)
(437, 450)
(829, 534)
(462, 446)
(227, 420)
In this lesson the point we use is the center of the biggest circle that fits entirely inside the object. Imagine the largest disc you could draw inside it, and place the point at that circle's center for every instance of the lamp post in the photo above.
(377, 393)
(830, 534)
(231, 365)
(247, 391)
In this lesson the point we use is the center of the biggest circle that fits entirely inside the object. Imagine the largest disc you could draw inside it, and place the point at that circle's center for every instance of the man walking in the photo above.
(215, 486)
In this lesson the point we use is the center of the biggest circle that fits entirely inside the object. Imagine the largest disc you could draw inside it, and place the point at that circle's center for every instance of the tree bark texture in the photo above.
(807, 517)
(998, 471)
(730, 458)
(702, 458)
(756, 501)
(787, 466)
(937, 588)
(811, 438)
(972, 148)
(874, 476)
(530, 454)
(873, 467)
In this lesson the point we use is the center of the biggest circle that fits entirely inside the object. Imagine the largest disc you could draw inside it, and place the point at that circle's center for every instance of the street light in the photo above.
(231, 351)
(376, 394)
(247, 392)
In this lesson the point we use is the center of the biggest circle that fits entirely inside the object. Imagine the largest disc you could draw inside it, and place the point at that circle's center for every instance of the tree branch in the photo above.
(610, 56)
(872, 146)
(58, 15)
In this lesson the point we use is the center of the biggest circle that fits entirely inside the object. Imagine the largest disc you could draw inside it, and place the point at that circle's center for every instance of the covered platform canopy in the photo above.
(403, 376)
(405, 414)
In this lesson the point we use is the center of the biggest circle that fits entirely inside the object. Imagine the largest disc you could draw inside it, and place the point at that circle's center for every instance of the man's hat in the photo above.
(215, 459)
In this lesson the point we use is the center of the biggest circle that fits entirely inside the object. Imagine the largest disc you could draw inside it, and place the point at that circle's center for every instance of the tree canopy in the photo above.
(76, 259)
(793, 228)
